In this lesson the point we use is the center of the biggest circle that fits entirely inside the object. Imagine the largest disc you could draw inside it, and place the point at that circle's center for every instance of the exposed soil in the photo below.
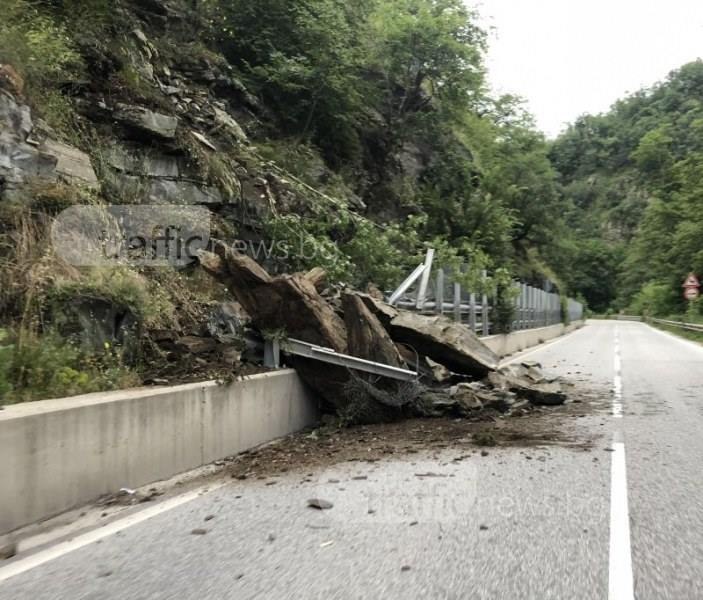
(542, 426)
(191, 369)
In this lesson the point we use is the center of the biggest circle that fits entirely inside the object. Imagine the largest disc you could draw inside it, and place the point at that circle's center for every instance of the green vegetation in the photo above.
(377, 84)
(633, 178)
(374, 137)
(33, 368)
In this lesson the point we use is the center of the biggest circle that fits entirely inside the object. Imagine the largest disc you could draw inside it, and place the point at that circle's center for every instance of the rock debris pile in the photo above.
(458, 375)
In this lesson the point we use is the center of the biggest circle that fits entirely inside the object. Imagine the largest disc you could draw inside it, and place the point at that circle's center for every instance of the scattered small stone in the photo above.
(271, 537)
(209, 517)
(333, 481)
(405, 568)
(484, 452)
(413, 523)
(320, 504)
(371, 511)
(483, 527)
(359, 478)
(198, 531)
(104, 573)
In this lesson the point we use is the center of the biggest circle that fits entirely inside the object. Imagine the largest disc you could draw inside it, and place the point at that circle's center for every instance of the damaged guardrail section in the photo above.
(60, 454)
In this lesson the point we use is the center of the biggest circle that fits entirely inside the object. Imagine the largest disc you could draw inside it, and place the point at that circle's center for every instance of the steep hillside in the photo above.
(633, 179)
(343, 135)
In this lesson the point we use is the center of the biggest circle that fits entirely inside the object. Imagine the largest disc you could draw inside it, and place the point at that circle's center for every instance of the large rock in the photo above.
(11, 80)
(527, 382)
(366, 336)
(157, 178)
(23, 159)
(477, 394)
(72, 165)
(288, 302)
(225, 122)
(97, 322)
(165, 191)
(444, 341)
(384, 312)
(143, 120)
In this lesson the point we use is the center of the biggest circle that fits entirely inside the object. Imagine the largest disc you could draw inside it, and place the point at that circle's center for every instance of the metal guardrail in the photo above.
(534, 307)
(274, 348)
(680, 324)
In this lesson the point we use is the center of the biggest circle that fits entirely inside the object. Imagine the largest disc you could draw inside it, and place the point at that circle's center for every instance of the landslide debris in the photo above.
(458, 375)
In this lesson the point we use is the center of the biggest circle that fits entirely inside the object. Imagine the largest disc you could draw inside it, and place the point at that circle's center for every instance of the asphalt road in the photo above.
(615, 513)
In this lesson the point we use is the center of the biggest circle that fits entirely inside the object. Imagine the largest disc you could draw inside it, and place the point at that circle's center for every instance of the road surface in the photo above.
(616, 513)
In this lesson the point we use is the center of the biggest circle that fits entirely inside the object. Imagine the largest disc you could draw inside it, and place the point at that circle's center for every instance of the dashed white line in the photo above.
(34, 560)
(620, 583)
(617, 378)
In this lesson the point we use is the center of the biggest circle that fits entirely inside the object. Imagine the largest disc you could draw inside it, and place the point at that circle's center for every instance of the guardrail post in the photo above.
(472, 312)
(485, 324)
(457, 302)
(424, 279)
(272, 353)
(439, 292)
(547, 307)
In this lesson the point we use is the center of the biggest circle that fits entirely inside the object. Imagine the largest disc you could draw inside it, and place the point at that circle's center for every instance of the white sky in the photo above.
(570, 57)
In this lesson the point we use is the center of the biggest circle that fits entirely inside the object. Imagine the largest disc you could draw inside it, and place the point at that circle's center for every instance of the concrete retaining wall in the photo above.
(507, 344)
(59, 454)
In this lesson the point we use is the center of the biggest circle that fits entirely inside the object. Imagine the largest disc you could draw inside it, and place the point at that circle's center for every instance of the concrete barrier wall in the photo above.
(507, 344)
(59, 454)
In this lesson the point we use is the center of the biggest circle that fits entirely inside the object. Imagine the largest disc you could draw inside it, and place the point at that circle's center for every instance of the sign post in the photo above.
(691, 287)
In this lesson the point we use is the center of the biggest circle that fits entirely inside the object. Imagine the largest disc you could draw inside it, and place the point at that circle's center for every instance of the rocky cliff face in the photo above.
(159, 119)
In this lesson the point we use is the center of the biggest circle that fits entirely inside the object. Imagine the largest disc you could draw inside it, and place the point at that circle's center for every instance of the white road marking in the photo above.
(617, 378)
(620, 583)
(672, 336)
(34, 560)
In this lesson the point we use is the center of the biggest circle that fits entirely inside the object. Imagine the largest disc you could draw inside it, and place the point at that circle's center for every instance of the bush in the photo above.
(36, 45)
(5, 360)
(653, 300)
(123, 287)
(40, 367)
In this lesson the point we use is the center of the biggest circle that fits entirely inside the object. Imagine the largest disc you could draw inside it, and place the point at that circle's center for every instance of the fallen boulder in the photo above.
(449, 343)
(528, 383)
(366, 336)
(287, 302)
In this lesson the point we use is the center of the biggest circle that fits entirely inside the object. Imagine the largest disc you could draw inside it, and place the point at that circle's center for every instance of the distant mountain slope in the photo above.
(634, 179)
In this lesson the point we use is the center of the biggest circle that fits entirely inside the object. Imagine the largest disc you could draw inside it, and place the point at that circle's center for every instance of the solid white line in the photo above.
(672, 336)
(620, 584)
(34, 560)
